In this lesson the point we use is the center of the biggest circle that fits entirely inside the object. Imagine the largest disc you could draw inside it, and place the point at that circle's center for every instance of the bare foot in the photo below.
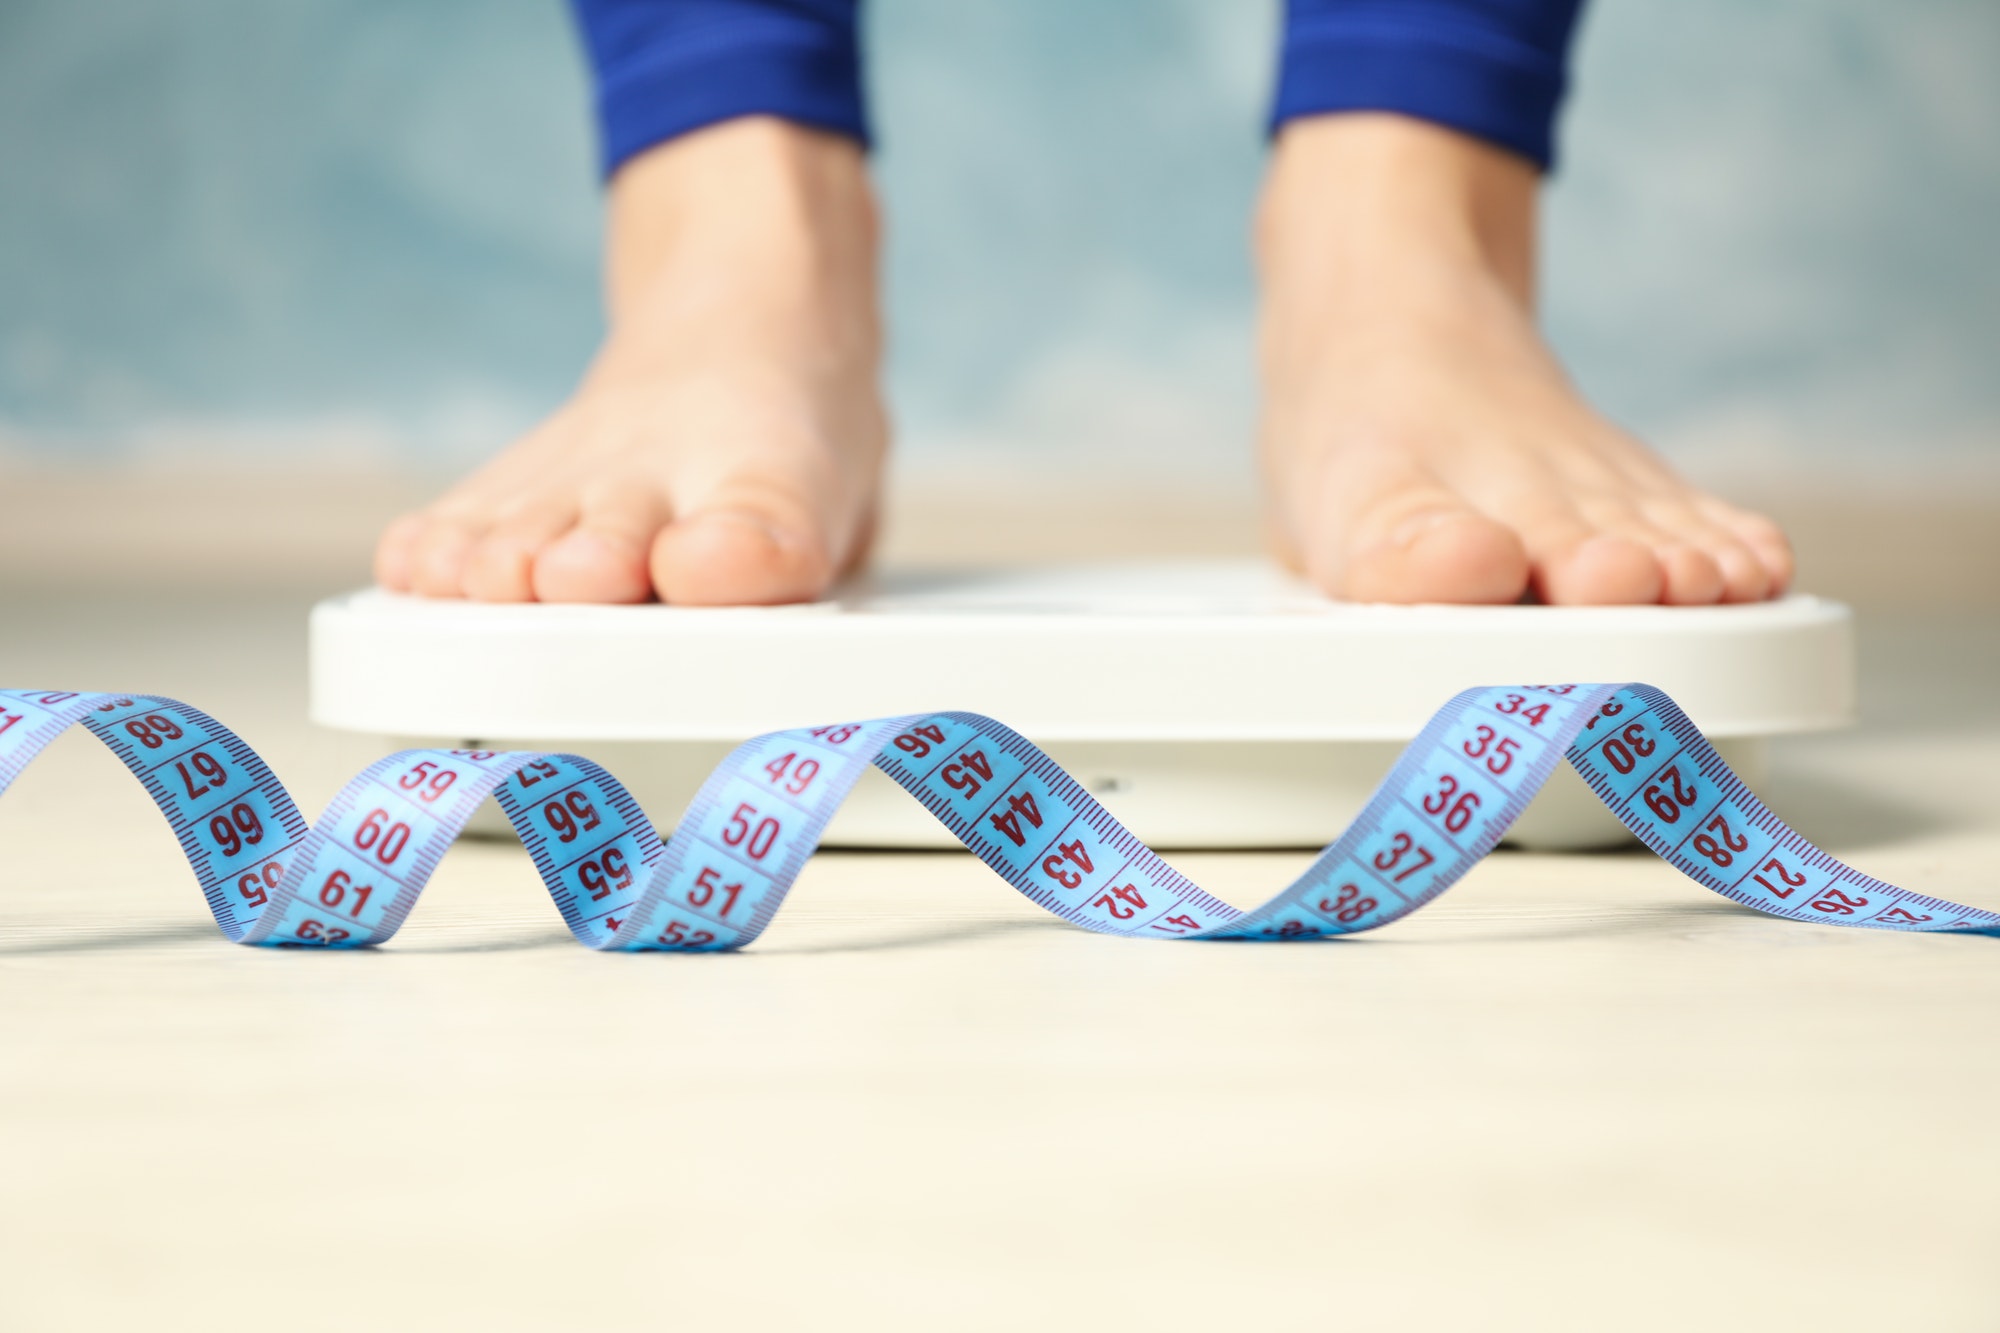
(1420, 442)
(726, 445)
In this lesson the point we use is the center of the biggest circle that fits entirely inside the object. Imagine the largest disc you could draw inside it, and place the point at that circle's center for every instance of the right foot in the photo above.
(726, 445)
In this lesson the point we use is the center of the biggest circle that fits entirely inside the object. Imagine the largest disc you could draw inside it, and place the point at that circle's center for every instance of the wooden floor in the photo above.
(1578, 1093)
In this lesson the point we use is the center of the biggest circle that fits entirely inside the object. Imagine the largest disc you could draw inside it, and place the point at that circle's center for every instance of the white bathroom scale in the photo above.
(1206, 705)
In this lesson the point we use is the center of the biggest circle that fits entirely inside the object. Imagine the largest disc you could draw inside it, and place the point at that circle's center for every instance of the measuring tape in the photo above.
(352, 878)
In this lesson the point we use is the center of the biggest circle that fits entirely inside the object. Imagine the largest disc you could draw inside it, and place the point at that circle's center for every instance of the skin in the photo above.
(1419, 441)
(726, 444)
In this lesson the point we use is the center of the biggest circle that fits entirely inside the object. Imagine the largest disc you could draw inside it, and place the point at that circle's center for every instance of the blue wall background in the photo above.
(367, 225)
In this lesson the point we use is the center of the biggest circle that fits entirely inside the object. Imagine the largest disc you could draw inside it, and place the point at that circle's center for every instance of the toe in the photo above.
(1744, 577)
(1588, 553)
(437, 564)
(1690, 574)
(745, 544)
(1445, 552)
(1740, 575)
(602, 558)
(734, 557)
(1601, 570)
(501, 567)
(395, 553)
(1765, 540)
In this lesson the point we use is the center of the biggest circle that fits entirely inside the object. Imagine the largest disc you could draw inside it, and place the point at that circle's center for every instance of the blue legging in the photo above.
(1490, 68)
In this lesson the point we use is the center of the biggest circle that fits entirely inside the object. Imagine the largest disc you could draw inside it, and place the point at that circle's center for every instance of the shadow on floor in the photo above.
(953, 933)
(133, 938)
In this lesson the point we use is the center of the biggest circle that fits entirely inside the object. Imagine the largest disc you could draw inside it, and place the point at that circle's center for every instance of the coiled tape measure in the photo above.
(352, 878)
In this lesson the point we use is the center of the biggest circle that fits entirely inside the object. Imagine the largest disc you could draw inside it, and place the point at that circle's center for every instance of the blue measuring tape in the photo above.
(352, 878)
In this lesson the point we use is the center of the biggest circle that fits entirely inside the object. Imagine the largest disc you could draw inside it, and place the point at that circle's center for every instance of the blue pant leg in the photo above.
(664, 67)
(1496, 69)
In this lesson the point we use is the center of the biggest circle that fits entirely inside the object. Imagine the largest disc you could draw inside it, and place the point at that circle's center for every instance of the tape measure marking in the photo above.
(352, 878)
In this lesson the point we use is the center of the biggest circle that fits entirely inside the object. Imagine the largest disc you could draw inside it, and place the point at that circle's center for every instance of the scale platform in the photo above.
(1206, 705)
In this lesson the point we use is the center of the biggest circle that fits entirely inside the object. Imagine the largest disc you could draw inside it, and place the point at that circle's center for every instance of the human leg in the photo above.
(1420, 440)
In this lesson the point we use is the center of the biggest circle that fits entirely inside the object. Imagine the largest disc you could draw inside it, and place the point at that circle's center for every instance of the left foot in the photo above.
(1420, 442)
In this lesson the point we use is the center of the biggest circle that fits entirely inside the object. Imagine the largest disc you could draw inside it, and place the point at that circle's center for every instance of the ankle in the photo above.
(752, 194)
(749, 240)
(1357, 197)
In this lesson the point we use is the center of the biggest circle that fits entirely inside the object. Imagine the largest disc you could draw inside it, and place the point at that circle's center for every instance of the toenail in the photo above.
(754, 522)
(593, 544)
(1407, 532)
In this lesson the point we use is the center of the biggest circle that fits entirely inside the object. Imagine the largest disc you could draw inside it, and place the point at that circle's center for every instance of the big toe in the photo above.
(1446, 553)
(740, 555)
